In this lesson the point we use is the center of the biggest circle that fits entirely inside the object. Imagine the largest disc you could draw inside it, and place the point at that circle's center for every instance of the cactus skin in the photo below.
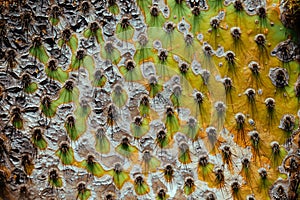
(201, 94)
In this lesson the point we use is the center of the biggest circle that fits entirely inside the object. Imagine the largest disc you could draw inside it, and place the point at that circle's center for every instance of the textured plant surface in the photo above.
(142, 99)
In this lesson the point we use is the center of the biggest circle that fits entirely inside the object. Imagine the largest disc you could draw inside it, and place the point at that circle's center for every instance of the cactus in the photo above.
(141, 99)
